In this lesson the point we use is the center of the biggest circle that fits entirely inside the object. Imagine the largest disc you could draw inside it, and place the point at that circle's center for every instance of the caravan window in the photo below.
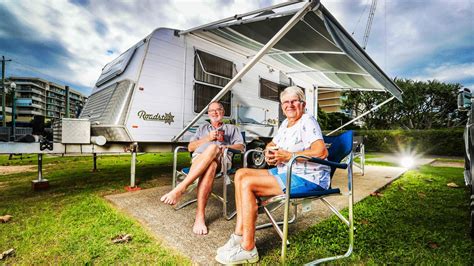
(212, 69)
(211, 74)
(270, 90)
(203, 94)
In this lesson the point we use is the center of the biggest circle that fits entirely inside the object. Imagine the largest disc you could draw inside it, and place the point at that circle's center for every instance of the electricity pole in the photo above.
(4, 93)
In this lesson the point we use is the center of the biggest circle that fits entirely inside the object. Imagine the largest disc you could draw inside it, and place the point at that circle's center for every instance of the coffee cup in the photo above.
(220, 135)
(272, 149)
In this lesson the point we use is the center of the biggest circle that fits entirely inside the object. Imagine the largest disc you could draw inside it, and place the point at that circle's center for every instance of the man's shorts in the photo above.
(219, 158)
(298, 184)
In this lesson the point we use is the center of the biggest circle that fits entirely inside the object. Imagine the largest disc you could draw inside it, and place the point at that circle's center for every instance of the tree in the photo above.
(426, 105)
(329, 121)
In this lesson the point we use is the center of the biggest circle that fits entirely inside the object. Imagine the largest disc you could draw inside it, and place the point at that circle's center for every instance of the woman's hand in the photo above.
(270, 157)
(282, 156)
(274, 157)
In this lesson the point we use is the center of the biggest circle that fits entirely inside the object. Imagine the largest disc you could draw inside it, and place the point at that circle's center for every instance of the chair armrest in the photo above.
(175, 162)
(234, 151)
(326, 162)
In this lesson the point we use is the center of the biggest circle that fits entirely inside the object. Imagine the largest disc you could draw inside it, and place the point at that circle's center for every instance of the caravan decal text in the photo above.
(167, 118)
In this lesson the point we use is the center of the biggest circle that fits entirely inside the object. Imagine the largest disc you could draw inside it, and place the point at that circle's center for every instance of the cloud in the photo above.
(415, 38)
(448, 73)
(73, 40)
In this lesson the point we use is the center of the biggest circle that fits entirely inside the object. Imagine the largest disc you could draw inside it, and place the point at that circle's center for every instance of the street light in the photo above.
(13, 87)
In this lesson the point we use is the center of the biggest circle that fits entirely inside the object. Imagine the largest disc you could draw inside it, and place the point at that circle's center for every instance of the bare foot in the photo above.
(171, 197)
(200, 227)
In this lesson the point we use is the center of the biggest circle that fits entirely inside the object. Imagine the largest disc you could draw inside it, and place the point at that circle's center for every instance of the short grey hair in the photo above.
(220, 104)
(294, 90)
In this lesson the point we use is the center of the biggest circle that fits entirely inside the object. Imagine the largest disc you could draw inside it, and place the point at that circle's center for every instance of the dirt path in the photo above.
(447, 164)
(14, 169)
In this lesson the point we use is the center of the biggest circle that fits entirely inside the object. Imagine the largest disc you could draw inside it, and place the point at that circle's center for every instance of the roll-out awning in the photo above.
(317, 49)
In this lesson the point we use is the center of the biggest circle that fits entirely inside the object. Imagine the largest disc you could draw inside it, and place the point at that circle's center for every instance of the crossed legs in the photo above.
(204, 166)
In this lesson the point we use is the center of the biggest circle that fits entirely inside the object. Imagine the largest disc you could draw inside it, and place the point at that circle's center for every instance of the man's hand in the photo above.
(212, 135)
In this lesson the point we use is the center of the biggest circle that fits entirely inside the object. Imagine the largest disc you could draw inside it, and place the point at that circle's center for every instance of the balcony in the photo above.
(38, 99)
(28, 112)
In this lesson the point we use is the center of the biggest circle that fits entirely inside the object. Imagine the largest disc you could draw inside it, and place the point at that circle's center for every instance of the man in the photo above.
(207, 146)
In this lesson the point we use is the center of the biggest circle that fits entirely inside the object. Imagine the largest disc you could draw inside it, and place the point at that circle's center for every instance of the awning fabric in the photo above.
(317, 50)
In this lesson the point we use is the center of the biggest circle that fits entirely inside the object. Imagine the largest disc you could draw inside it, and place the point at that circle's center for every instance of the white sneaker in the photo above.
(238, 255)
(233, 241)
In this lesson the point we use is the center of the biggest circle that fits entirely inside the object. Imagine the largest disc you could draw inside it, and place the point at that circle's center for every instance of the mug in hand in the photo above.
(272, 149)
(220, 135)
(271, 152)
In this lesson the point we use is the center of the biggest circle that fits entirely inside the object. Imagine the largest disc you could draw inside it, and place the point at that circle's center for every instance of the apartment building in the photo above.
(36, 96)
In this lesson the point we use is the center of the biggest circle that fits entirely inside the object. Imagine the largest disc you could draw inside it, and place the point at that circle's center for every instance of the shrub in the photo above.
(448, 142)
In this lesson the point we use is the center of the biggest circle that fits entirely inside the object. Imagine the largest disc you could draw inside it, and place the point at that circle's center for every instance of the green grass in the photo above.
(71, 222)
(369, 161)
(418, 219)
(449, 160)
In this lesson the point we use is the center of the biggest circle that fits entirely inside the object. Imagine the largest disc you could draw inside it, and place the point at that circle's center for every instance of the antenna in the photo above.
(373, 6)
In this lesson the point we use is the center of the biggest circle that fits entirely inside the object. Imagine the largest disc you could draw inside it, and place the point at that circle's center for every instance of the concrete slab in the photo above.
(174, 227)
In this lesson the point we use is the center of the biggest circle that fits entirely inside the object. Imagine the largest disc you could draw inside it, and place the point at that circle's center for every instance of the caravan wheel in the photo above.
(256, 160)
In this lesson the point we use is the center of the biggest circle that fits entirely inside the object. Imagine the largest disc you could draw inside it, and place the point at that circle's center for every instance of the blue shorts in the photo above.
(298, 184)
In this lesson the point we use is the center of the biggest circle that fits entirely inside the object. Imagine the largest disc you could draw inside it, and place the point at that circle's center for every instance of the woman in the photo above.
(299, 134)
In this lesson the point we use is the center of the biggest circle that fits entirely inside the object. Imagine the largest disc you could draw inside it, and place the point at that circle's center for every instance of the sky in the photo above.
(69, 42)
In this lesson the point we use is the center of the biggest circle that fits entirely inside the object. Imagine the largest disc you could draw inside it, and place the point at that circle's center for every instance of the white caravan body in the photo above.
(152, 100)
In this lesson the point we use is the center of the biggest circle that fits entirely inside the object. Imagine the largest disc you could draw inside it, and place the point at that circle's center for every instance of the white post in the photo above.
(133, 165)
(316, 99)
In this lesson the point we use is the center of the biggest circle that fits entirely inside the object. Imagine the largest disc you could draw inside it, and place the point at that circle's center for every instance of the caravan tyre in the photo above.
(256, 160)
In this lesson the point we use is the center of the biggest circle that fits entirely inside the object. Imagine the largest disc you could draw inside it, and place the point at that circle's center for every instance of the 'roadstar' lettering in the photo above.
(167, 118)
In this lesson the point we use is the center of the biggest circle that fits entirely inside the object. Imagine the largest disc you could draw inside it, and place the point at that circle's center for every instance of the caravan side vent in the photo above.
(108, 106)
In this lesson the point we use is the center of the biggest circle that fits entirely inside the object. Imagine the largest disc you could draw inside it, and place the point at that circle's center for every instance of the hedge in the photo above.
(447, 142)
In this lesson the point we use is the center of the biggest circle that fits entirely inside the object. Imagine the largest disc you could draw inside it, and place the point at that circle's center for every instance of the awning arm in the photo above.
(240, 16)
(362, 115)
(287, 27)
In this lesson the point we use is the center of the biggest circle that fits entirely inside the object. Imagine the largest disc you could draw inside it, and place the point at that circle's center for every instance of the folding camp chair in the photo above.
(340, 148)
(225, 173)
(358, 149)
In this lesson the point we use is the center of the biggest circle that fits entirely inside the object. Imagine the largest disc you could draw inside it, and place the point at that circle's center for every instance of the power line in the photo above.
(360, 17)
(31, 68)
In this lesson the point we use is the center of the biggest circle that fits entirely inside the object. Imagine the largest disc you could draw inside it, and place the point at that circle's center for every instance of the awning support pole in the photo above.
(316, 101)
(287, 27)
(362, 115)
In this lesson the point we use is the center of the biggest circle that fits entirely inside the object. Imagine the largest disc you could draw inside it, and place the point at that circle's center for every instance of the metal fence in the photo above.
(6, 133)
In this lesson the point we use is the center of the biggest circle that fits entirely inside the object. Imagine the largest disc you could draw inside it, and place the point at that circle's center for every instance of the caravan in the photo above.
(154, 95)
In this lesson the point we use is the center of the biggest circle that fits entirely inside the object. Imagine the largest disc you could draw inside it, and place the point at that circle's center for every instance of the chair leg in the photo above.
(351, 221)
(335, 211)
(277, 224)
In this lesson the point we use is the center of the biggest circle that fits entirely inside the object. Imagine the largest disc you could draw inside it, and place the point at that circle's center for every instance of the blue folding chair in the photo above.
(339, 148)
(225, 173)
